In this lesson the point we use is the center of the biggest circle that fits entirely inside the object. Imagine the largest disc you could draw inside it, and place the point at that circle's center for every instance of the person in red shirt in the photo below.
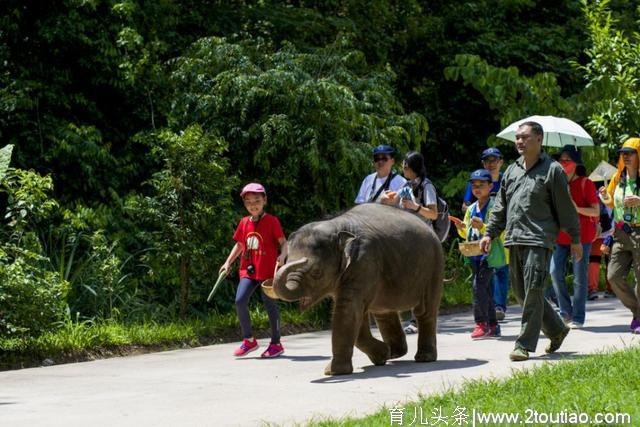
(257, 238)
(585, 199)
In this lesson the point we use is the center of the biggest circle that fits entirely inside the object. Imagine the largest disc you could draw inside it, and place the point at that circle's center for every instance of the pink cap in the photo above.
(253, 187)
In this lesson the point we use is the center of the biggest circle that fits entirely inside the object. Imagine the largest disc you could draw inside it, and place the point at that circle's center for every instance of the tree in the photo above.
(188, 210)
(610, 97)
(304, 124)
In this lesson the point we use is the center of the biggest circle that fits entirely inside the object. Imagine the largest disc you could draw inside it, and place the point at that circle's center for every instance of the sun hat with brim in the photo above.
(253, 187)
(573, 152)
(480, 175)
(383, 149)
(631, 144)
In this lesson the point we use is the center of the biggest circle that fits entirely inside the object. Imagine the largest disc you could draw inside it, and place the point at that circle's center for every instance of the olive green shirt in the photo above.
(533, 205)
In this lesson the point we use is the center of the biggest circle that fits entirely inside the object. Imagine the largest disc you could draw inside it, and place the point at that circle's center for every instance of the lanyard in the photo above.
(248, 253)
(384, 186)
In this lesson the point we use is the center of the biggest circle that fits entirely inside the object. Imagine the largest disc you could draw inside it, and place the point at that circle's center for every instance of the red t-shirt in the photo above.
(260, 241)
(583, 192)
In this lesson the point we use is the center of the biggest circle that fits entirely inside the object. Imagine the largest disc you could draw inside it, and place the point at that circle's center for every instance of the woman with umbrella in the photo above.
(623, 194)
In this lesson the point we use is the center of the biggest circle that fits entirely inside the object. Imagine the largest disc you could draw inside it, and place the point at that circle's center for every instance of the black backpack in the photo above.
(442, 223)
(605, 220)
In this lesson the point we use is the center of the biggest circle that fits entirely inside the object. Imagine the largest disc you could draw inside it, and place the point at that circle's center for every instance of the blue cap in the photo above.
(383, 149)
(493, 151)
(626, 149)
(480, 175)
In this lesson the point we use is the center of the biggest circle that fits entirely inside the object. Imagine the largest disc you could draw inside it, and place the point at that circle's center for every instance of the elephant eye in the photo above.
(316, 273)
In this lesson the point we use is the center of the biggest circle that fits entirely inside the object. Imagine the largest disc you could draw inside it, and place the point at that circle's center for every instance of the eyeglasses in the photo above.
(380, 159)
(628, 153)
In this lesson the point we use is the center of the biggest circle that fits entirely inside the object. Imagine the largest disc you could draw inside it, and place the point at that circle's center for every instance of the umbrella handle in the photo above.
(605, 199)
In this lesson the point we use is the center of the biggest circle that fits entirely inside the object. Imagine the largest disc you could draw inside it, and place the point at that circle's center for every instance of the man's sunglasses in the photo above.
(380, 159)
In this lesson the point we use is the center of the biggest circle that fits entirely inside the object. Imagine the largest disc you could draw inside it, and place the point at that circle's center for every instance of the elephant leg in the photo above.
(392, 334)
(377, 350)
(345, 325)
(427, 325)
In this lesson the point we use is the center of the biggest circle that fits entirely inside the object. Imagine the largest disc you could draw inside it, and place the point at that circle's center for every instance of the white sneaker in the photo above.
(575, 325)
(410, 329)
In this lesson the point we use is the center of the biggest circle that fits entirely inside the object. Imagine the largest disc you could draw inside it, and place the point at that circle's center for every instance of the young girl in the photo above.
(422, 201)
(257, 238)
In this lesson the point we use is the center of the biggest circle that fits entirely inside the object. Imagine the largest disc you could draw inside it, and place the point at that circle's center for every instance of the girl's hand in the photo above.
(225, 267)
(476, 223)
(409, 204)
(605, 249)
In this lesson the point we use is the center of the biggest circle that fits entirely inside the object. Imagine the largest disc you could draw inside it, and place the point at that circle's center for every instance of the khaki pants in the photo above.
(624, 254)
(528, 273)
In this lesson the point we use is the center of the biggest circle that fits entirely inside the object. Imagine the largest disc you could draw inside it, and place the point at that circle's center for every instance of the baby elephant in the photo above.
(372, 259)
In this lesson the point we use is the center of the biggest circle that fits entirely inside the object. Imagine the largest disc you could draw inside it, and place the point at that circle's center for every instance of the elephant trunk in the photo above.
(288, 281)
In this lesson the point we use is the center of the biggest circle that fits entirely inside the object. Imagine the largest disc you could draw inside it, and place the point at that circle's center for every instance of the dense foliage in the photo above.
(135, 124)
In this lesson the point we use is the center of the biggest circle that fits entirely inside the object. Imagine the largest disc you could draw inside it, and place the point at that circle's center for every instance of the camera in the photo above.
(251, 269)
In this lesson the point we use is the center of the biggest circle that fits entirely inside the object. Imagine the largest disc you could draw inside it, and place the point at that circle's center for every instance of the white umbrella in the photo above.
(558, 131)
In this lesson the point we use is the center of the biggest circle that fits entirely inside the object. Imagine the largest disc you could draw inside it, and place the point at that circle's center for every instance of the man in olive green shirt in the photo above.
(533, 204)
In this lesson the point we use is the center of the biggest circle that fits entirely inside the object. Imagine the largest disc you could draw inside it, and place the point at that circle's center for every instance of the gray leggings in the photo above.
(246, 288)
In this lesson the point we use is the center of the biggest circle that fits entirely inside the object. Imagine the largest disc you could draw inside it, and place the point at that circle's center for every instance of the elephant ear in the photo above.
(348, 243)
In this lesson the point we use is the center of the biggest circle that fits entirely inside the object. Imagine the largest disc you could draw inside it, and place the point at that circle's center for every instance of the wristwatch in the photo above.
(418, 209)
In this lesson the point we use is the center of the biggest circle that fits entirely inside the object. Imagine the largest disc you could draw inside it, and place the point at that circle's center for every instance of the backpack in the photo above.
(442, 223)
(604, 223)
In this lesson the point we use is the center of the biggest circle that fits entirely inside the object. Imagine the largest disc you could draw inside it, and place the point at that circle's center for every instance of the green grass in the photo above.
(607, 383)
(79, 340)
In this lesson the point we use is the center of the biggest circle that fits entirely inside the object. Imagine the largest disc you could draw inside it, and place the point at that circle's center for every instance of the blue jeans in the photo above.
(501, 287)
(574, 309)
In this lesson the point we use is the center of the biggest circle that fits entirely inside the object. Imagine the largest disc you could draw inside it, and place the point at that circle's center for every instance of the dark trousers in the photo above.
(528, 274)
(484, 309)
(246, 288)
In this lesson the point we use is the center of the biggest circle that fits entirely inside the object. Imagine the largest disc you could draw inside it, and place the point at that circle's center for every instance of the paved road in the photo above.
(208, 387)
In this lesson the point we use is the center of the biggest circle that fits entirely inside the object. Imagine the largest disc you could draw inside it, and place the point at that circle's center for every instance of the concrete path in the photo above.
(208, 387)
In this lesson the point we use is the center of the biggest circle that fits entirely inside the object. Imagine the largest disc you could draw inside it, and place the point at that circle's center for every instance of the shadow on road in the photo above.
(400, 369)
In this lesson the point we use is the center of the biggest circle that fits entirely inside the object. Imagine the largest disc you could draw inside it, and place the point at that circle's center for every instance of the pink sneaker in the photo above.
(246, 347)
(480, 331)
(274, 350)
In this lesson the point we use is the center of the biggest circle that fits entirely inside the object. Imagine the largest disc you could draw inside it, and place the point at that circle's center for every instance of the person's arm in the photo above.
(362, 193)
(497, 221)
(462, 226)
(593, 210)
(283, 250)
(563, 204)
(565, 209)
(237, 250)
(591, 197)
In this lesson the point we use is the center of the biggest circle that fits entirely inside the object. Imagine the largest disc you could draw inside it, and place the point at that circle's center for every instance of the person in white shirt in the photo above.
(375, 185)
